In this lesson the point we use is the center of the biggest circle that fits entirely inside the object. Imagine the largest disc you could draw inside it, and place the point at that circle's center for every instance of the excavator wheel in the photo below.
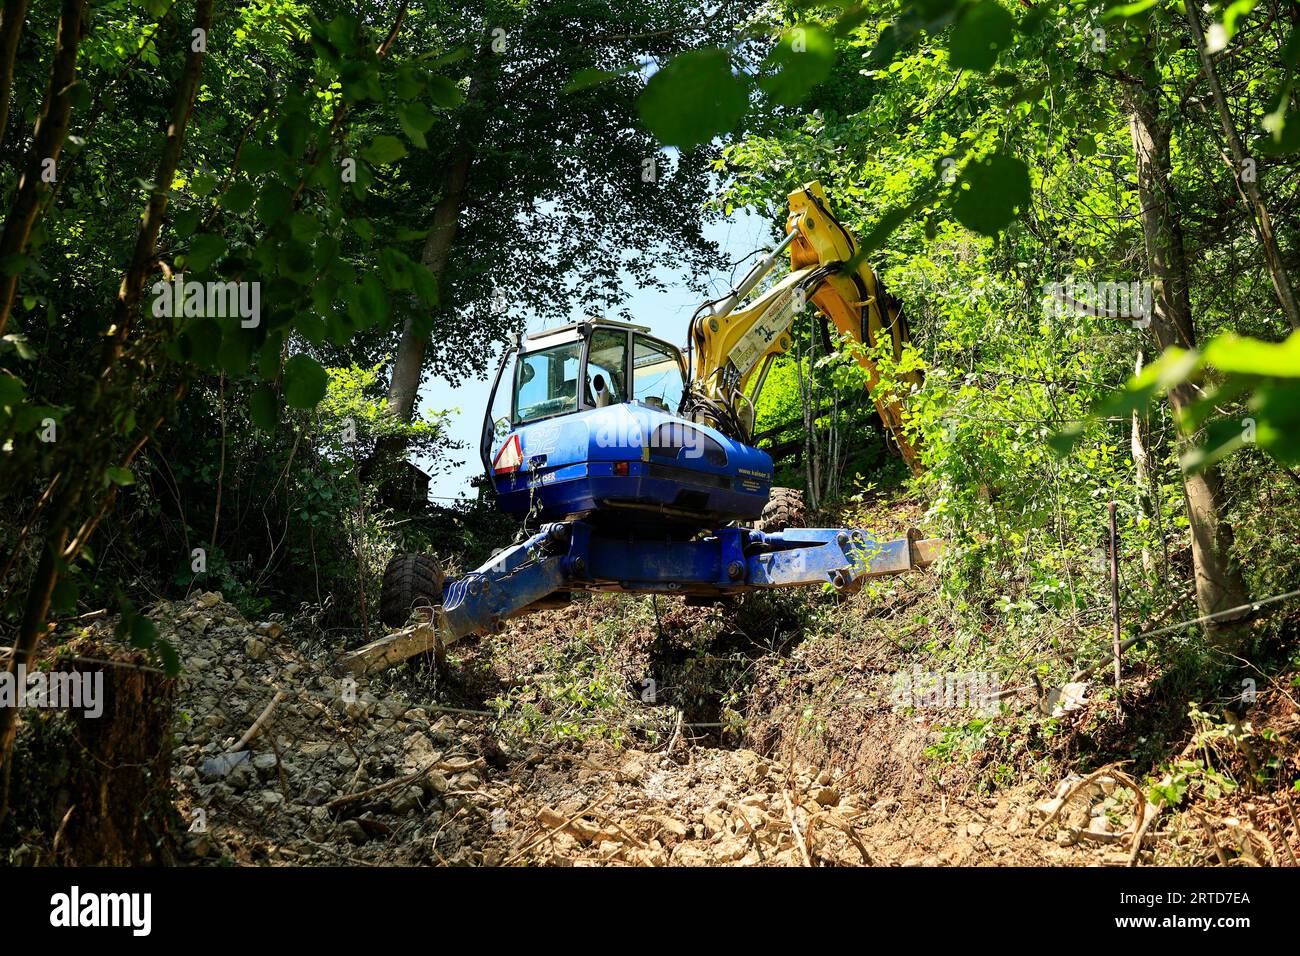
(410, 581)
(785, 508)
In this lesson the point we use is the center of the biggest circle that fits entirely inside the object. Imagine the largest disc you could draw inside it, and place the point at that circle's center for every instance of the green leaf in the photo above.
(293, 132)
(256, 159)
(1174, 366)
(1283, 126)
(264, 408)
(119, 476)
(979, 35)
(238, 199)
(141, 631)
(416, 116)
(203, 342)
(1242, 355)
(416, 120)
(275, 203)
(803, 59)
(384, 149)
(1276, 407)
(395, 267)
(171, 660)
(409, 82)
(11, 389)
(310, 326)
(444, 92)
(342, 32)
(304, 227)
(14, 264)
(18, 342)
(1235, 11)
(295, 261)
(1123, 11)
(203, 183)
(426, 286)
(368, 302)
(205, 249)
(304, 382)
(999, 186)
(186, 222)
(692, 99)
(64, 599)
(593, 76)
(236, 352)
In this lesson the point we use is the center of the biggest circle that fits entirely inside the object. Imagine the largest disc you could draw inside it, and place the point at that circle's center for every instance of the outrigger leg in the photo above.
(575, 555)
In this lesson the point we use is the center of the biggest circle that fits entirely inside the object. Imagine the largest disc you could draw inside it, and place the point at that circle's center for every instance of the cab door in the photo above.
(657, 376)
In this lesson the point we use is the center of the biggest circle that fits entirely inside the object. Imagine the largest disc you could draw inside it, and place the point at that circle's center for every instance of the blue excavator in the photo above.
(632, 466)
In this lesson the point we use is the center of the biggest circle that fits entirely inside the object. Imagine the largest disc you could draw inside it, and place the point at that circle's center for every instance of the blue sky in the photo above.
(666, 312)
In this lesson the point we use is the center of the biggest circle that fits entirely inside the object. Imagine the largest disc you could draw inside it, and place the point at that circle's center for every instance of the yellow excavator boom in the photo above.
(734, 348)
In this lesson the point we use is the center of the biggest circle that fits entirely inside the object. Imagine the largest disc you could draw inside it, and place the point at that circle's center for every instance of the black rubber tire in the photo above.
(785, 508)
(410, 581)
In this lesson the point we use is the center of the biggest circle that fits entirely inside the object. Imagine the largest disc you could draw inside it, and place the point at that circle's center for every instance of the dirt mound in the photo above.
(282, 761)
(543, 745)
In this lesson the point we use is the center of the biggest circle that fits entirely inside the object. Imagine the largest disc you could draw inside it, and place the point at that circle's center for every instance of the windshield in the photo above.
(546, 383)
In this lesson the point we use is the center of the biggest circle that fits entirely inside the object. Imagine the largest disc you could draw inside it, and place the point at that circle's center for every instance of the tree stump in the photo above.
(95, 790)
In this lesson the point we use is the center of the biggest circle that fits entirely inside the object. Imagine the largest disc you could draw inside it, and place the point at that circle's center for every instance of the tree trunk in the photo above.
(1246, 181)
(408, 366)
(404, 388)
(1142, 475)
(1219, 585)
(90, 462)
(95, 788)
(47, 142)
(11, 27)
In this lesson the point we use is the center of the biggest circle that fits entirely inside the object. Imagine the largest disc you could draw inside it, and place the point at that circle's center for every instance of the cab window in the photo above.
(607, 368)
(657, 375)
(546, 382)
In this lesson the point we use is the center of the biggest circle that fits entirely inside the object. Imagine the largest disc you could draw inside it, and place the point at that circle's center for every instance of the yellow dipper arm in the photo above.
(735, 349)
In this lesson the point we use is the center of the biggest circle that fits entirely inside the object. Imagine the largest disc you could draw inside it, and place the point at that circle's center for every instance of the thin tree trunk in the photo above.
(408, 366)
(1142, 474)
(11, 28)
(70, 496)
(404, 388)
(1219, 584)
(47, 142)
(1248, 183)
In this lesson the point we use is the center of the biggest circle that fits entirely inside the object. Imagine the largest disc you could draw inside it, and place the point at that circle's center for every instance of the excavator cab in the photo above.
(594, 365)
(595, 426)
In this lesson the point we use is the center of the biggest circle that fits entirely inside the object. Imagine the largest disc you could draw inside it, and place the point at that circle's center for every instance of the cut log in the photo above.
(924, 551)
(401, 645)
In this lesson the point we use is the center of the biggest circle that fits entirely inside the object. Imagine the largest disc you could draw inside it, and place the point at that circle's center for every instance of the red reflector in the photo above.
(621, 469)
(509, 458)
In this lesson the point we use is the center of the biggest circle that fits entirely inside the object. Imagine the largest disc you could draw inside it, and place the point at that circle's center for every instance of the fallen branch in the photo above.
(554, 830)
(1107, 771)
(794, 828)
(254, 730)
(410, 778)
(845, 827)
